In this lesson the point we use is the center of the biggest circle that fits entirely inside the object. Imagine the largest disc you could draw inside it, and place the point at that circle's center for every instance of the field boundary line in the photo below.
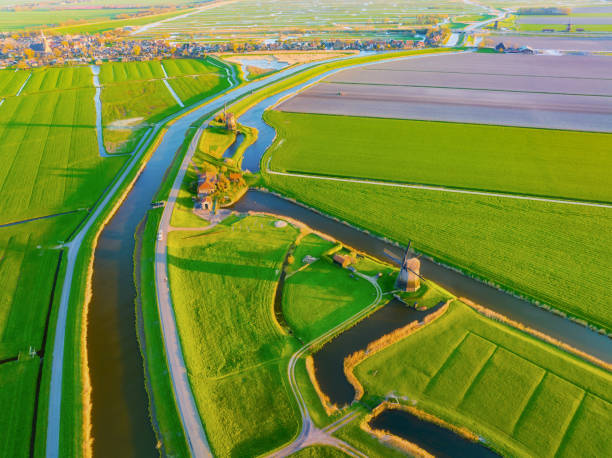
(450, 355)
(53, 215)
(170, 89)
(477, 89)
(438, 189)
(23, 85)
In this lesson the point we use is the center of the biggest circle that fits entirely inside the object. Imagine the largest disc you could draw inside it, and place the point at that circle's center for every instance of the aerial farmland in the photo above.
(305, 228)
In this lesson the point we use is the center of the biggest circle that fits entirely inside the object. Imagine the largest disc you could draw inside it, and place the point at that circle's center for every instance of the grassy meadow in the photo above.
(18, 382)
(530, 247)
(50, 155)
(135, 96)
(319, 451)
(525, 397)
(11, 81)
(321, 295)
(223, 284)
(510, 159)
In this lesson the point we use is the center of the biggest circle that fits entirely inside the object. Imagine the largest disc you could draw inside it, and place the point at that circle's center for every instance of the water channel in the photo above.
(120, 417)
(439, 441)
(121, 425)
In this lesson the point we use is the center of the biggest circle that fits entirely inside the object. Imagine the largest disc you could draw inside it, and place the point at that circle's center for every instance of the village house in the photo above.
(205, 189)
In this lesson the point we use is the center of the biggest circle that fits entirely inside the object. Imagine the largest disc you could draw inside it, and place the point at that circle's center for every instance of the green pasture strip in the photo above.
(525, 397)
(50, 155)
(29, 255)
(103, 26)
(223, 285)
(146, 102)
(42, 18)
(563, 27)
(17, 391)
(57, 78)
(319, 451)
(526, 246)
(215, 141)
(322, 296)
(119, 72)
(11, 81)
(555, 163)
(184, 67)
(191, 89)
(363, 441)
(311, 398)
(169, 429)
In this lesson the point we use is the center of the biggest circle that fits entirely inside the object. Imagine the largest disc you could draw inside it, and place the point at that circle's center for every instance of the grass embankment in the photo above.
(529, 247)
(223, 285)
(168, 427)
(490, 158)
(524, 396)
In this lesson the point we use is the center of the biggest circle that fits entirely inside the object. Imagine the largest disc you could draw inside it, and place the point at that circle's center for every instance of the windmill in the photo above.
(409, 278)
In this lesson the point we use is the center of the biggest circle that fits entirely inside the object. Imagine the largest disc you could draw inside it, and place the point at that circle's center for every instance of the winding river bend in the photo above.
(121, 423)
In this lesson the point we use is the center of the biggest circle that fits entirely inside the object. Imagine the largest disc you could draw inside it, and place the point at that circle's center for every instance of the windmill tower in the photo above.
(409, 278)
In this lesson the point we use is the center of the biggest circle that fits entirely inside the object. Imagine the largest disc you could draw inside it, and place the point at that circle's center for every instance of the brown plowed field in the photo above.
(537, 91)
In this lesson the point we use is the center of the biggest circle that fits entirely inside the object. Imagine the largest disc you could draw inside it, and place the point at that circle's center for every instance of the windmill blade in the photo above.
(409, 243)
(393, 257)
(417, 274)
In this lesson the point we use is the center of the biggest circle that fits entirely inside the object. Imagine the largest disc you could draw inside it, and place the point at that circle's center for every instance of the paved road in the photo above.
(310, 434)
(438, 189)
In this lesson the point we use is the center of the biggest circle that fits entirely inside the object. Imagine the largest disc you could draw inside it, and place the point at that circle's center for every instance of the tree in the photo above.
(28, 53)
(136, 50)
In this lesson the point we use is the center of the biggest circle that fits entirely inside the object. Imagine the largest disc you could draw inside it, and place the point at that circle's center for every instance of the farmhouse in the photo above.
(205, 189)
(207, 203)
(235, 177)
(342, 259)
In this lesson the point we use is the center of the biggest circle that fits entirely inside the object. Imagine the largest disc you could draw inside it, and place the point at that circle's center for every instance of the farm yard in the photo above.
(266, 19)
(516, 90)
(523, 396)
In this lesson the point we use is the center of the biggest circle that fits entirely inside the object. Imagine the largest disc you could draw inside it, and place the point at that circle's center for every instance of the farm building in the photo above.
(343, 260)
(205, 189)
(207, 203)
(207, 177)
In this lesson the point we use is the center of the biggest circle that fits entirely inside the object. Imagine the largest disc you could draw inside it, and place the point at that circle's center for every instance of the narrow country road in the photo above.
(438, 188)
(310, 434)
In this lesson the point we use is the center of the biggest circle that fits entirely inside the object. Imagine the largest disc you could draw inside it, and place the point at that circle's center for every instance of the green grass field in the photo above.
(223, 285)
(134, 95)
(50, 155)
(524, 396)
(18, 379)
(511, 159)
(54, 78)
(322, 295)
(42, 18)
(530, 247)
(11, 81)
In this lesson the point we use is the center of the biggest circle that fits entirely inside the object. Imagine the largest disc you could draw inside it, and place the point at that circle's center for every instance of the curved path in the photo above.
(310, 434)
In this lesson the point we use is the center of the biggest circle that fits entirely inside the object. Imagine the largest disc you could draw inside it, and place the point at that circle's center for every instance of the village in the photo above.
(37, 49)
